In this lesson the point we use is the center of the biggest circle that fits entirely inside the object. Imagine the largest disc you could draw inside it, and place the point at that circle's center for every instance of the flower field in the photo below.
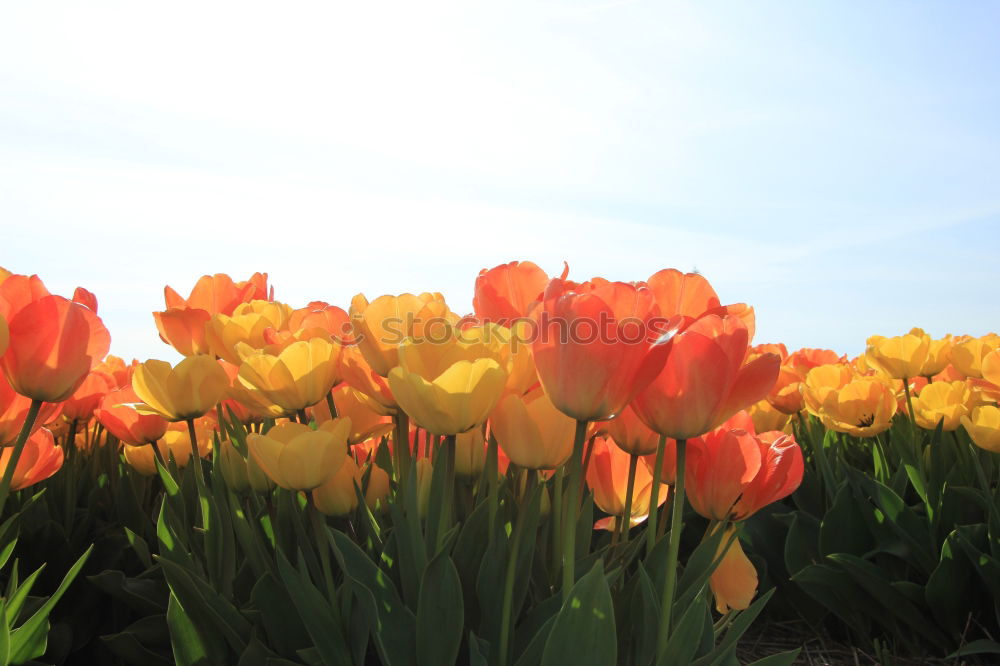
(575, 473)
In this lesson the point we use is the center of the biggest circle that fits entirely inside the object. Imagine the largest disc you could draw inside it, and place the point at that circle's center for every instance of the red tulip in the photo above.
(705, 380)
(117, 413)
(505, 293)
(81, 405)
(14, 409)
(596, 345)
(39, 460)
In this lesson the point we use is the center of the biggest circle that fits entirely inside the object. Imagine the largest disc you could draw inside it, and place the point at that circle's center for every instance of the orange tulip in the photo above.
(505, 293)
(786, 395)
(531, 431)
(117, 413)
(630, 434)
(322, 317)
(14, 409)
(81, 405)
(607, 477)
(597, 345)
(367, 420)
(183, 329)
(381, 326)
(218, 293)
(359, 375)
(687, 294)
(705, 379)
(54, 342)
(734, 581)
(39, 460)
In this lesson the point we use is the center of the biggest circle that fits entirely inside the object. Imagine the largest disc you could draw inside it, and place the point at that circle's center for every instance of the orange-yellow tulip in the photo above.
(298, 458)
(300, 376)
(381, 326)
(902, 356)
(822, 381)
(175, 443)
(13, 410)
(531, 431)
(359, 375)
(241, 474)
(81, 405)
(607, 477)
(734, 581)
(686, 294)
(188, 390)
(248, 325)
(630, 434)
(967, 356)
(947, 401)
(218, 293)
(117, 413)
(863, 407)
(504, 293)
(39, 460)
(183, 329)
(367, 420)
(983, 426)
(337, 495)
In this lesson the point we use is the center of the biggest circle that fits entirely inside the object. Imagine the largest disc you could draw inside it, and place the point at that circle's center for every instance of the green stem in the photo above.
(572, 501)
(654, 495)
(401, 447)
(15, 456)
(329, 405)
(319, 532)
(673, 546)
(557, 516)
(508, 583)
(493, 482)
(626, 522)
(448, 501)
(199, 473)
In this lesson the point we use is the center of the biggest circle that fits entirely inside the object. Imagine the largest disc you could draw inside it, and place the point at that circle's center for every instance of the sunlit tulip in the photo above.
(183, 329)
(821, 382)
(967, 356)
(218, 294)
(990, 367)
(39, 460)
(175, 443)
(381, 326)
(687, 294)
(504, 293)
(298, 377)
(734, 581)
(942, 402)
(630, 434)
(116, 368)
(367, 420)
(188, 390)
(902, 356)
(786, 395)
(938, 356)
(470, 454)
(705, 379)
(320, 317)
(248, 325)
(597, 345)
(337, 495)
(765, 417)
(511, 348)
(53, 344)
(298, 458)
(720, 466)
(780, 473)
(4, 335)
(13, 410)
(607, 477)
(531, 431)
(983, 426)
(446, 388)
(359, 375)
(863, 407)
(241, 474)
(81, 405)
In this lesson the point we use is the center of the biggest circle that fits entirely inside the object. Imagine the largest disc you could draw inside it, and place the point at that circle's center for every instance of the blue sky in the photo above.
(834, 164)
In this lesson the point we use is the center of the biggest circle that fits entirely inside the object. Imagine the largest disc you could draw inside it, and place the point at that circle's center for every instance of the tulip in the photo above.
(734, 581)
(705, 380)
(900, 357)
(39, 460)
(938, 356)
(81, 405)
(991, 367)
(721, 465)
(942, 402)
(360, 376)
(983, 426)
(186, 391)
(470, 453)
(14, 409)
(241, 474)
(322, 318)
(298, 458)
(215, 294)
(687, 294)
(337, 495)
(780, 473)
(765, 417)
(4, 335)
(630, 434)
(823, 381)
(117, 413)
(863, 407)
(381, 326)
(184, 329)
(378, 487)
(786, 395)
(115, 367)
(967, 356)
(505, 293)
(597, 346)
(54, 343)
(608, 478)
(367, 421)
(300, 376)
(446, 388)
(175, 443)
(531, 431)
(249, 325)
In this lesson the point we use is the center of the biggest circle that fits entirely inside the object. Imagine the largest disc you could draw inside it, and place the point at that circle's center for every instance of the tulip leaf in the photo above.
(686, 636)
(285, 632)
(947, 590)
(584, 630)
(843, 528)
(981, 646)
(395, 631)
(191, 647)
(479, 650)
(143, 595)
(726, 648)
(645, 612)
(780, 659)
(136, 644)
(532, 653)
(4, 634)
(699, 567)
(203, 602)
(440, 613)
(316, 614)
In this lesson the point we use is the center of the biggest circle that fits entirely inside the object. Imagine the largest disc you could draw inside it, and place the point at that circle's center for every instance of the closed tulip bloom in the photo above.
(359, 375)
(298, 377)
(598, 344)
(39, 460)
(381, 326)
(983, 426)
(241, 474)
(53, 344)
(938, 356)
(298, 458)
(367, 420)
(991, 367)
(184, 329)
(607, 477)
(902, 356)
(780, 473)
(174, 444)
(721, 464)
(337, 496)
(949, 401)
(320, 316)
(821, 382)
(470, 454)
(504, 293)
(630, 434)
(863, 407)
(511, 347)
(687, 294)
(967, 356)
(734, 581)
(248, 325)
(217, 293)
(786, 395)
(705, 379)
(13, 410)
(531, 431)
(188, 390)
(116, 368)
(446, 388)
(81, 405)
(378, 487)
(765, 417)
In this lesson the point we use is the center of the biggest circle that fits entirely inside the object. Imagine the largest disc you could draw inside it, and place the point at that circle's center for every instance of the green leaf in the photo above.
(190, 647)
(29, 640)
(780, 659)
(316, 614)
(134, 643)
(802, 542)
(584, 630)
(285, 632)
(683, 642)
(532, 653)
(143, 595)
(4, 634)
(982, 646)
(843, 528)
(440, 613)
(207, 606)
(645, 612)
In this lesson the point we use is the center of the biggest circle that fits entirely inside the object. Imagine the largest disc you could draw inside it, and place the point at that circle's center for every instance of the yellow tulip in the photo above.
(967, 356)
(821, 382)
(766, 418)
(983, 426)
(902, 356)
(938, 356)
(247, 325)
(382, 325)
(470, 453)
(366, 417)
(734, 581)
(444, 387)
(991, 367)
(863, 407)
(337, 496)
(300, 376)
(175, 443)
(188, 390)
(241, 474)
(531, 431)
(942, 400)
(378, 487)
(297, 457)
